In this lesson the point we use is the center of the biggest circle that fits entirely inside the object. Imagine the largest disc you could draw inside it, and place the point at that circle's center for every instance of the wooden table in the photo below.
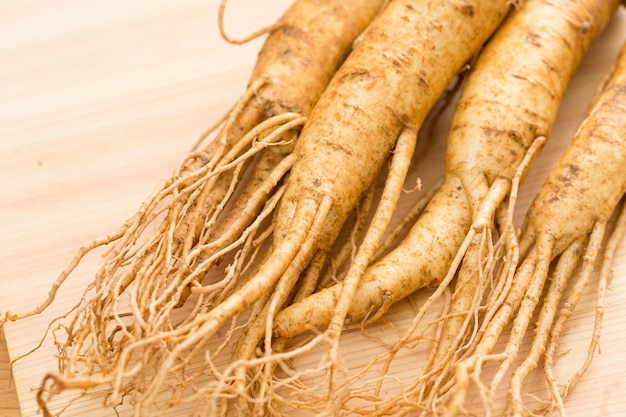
(95, 94)
(100, 99)
(9, 405)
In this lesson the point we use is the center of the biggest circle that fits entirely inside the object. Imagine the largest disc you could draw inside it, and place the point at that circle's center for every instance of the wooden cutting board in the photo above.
(100, 99)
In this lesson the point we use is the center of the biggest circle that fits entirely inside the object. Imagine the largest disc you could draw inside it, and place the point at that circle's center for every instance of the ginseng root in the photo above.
(509, 103)
(381, 93)
(474, 161)
(374, 104)
(566, 222)
(217, 204)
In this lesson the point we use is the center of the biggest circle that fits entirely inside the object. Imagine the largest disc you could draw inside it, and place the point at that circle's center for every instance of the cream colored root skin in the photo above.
(394, 75)
(572, 208)
(400, 90)
(297, 46)
(500, 113)
(385, 84)
(488, 139)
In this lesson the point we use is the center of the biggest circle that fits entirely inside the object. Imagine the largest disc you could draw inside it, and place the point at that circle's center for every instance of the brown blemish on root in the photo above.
(339, 147)
(466, 8)
(358, 73)
(533, 38)
(516, 137)
(434, 283)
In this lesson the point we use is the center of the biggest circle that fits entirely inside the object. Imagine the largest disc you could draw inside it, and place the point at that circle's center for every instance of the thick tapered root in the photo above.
(568, 218)
(481, 259)
(206, 325)
(194, 242)
(382, 217)
(565, 313)
(262, 325)
(558, 283)
(146, 278)
(535, 265)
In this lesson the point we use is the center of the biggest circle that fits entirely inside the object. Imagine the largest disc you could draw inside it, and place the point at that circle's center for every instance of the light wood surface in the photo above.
(9, 406)
(100, 99)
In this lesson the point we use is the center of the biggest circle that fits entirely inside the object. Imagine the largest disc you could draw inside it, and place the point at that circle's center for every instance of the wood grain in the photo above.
(102, 98)
(9, 405)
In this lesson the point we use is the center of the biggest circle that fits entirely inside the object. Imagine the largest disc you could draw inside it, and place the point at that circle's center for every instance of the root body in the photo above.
(566, 223)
